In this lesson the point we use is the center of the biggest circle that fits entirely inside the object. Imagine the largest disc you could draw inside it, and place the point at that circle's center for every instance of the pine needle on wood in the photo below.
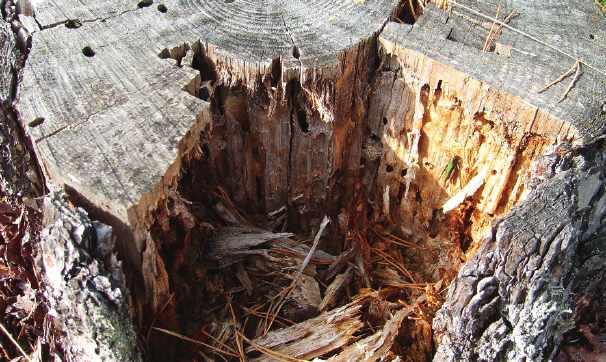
(242, 357)
(529, 37)
(574, 79)
(559, 79)
(412, 10)
(494, 23)
(396, 240)
(156, 317)
(174, 334)
(393, 263)
(14, 342)
(500, 28)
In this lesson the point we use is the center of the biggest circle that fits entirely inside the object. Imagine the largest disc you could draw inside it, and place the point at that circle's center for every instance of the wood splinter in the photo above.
(325, 222)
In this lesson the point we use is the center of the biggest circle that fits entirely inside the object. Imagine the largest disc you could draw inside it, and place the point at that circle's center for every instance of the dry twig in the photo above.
(529, 37)
(308, 258)
(494, 22)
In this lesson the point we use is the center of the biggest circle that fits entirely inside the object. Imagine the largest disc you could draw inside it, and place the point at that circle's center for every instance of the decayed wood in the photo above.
(334, 288)
(316, 336)
(232, 244)
(291, 117)
(271, 253)
(342, 260)
(115, 79)
(437, 95)
(376, 347)
(536, 273)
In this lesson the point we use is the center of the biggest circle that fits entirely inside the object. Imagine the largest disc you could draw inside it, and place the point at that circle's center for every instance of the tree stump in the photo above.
(122, 88)
(149, 112)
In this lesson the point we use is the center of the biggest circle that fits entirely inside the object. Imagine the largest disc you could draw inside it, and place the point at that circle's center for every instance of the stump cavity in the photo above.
(185, 124)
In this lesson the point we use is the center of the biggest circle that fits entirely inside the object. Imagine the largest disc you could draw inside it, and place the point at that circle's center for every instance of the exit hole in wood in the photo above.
(88, 51)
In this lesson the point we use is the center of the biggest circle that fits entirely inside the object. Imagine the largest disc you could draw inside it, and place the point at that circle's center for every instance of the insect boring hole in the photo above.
(409, 11)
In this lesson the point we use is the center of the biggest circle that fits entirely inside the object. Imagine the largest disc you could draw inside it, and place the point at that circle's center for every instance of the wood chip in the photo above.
(333, 289)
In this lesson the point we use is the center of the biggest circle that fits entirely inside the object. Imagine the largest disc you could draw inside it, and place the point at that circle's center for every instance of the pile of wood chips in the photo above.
(244, 292)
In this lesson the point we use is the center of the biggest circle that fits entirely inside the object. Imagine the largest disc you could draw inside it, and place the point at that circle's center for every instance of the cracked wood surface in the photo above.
(516, 67)
(115, 126)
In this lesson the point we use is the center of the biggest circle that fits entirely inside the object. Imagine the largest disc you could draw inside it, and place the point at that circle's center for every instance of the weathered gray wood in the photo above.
(119, 123)
(538, 273)
(314, 337)
(334, 288)
(376, 347)
(455, 39)
(231, 245)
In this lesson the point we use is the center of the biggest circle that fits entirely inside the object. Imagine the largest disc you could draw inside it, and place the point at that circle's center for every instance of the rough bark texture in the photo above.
(20, 170)
(538, 273)
(83, 287)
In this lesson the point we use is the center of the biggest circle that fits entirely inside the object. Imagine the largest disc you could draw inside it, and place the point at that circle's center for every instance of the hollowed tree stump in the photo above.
(325, 107)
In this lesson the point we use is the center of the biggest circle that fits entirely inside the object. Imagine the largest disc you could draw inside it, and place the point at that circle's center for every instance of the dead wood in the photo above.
(316, 336)
(342, 260)
(230, 245)
(376, 347)
(334, 288)
(311, 109)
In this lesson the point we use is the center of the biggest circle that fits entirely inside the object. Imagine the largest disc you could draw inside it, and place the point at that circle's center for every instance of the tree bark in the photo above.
(84, 286)
(539, 272)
